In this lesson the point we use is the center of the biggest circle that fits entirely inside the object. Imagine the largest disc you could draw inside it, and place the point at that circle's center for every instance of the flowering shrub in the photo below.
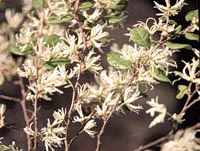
(58, 41)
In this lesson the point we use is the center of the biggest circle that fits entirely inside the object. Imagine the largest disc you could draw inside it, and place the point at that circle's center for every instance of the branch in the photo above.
(35, 104)
(24, 110)
(187, 104)
(70, 112)
(10, 98)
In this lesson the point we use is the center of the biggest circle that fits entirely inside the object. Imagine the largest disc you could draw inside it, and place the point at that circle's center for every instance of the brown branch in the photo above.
(35, 104)
(70, 111)
(10, 98)
(24, 111)
(192, 103)
(37, 66)
(187, 104)
(100, 134)
(35, 124)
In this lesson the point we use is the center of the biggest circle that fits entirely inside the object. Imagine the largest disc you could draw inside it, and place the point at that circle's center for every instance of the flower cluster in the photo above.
(53, 134)
(183, 140)
(190, 72)
(11, 147)
(156, 108)
(60, 41)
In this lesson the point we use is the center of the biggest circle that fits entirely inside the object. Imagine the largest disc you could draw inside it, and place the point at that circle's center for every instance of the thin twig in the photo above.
(193, 102)
(24, 111)
(187, 104)
(10, 98)
(35, 124)
(35, 101)
(70, 112)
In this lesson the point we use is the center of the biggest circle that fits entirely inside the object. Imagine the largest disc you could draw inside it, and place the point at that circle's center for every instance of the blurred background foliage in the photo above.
(124, 132)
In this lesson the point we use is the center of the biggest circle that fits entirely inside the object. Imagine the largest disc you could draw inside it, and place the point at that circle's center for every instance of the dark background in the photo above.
(124, 132)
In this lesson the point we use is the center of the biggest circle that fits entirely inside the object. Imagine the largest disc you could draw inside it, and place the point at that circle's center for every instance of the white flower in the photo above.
(29, 70)
(190, 71)
(90, 62)
(24, 38)
(112, 99)
(168, 9)
(96, 92)
(145, 76)
(81, 117)
(133, 54)
(53, 136)
(88, 126)
(83, 92)
(60, 115)
(13, 19)
(103, 110)
(73, 45)
(55, 52)
(94, 16)
(160, 58)
(130, 98)
(98, 37)
(184, 140)
(48, 82)
(156, 108)
(28, 130)
(110, 81)
(166, 29)
(2, 117)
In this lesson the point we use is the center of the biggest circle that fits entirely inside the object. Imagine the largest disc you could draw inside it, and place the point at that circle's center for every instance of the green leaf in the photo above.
(192, 36)
(172, 22)
(118, 7)
(115, 60)
(52, 40)
(140, 36)
(14, 49)
(159, 75)
(38, 3)
(86, 5)
(178, 46)
(58, 20)
(178, 29)
(51, 64)
(5, 148)
(182, 90)
(190, 15)
(115, 20)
